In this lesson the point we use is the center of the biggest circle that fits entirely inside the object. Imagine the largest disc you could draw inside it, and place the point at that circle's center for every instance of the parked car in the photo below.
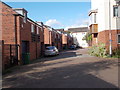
(79, 47)
(72, 47)
(51, 50)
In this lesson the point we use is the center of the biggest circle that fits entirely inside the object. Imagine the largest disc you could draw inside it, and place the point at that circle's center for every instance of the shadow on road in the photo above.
(62, 55)
(68, 76)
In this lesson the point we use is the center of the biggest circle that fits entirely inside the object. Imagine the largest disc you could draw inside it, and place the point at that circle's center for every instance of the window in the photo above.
(119, 11)
(25, 17)
(119, 38)
(32, 28)
(83, 33)
(95, 35)
(95, 18)
(37, 30)
(115, 11)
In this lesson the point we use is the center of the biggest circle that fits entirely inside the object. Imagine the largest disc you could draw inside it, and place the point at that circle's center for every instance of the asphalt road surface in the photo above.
(71, 69)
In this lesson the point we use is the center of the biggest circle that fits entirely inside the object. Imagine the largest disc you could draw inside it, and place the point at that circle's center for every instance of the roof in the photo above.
(80, 29)
(20, 9)
(93, 11)
(5, 4)
(59, 29)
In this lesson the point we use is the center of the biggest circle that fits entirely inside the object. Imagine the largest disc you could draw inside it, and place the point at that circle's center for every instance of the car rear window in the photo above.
(49, 48)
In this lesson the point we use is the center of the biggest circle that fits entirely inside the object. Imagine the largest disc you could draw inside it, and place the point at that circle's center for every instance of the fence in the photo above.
(9, 55)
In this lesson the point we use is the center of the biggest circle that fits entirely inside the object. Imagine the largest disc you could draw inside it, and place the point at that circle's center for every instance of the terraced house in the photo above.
(20, 35)
(105, 23)
(23, 38)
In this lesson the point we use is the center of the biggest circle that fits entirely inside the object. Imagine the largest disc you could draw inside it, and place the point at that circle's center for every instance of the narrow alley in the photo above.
(71, 69)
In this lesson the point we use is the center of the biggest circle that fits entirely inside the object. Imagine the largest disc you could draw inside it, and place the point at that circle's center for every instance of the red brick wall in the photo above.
(8, 24)
(8, 30)
(103, 37)
(64, 39)
(41, 35)
(70, 41)
(47, 36)
(53, 37)
(14, 31)
(25, 35)
(94, 40)
(60, 42)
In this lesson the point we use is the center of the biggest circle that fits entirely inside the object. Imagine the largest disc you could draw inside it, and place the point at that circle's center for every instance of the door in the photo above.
(42, 48)
(25, 49)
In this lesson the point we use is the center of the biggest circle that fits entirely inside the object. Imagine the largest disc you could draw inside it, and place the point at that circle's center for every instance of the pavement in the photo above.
(70, 69)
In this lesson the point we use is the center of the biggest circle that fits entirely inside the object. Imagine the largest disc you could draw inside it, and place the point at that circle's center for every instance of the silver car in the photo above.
(51, 50)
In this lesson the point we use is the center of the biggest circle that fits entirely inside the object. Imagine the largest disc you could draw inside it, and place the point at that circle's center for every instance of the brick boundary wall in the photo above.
(103, 37)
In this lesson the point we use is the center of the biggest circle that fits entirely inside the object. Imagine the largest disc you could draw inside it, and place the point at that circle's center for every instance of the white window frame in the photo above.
(95, 17)
(117, 39)
(25, 17)
(118, 10)
(38, 32)
(32, 28)
(83, 33)
(114, 11)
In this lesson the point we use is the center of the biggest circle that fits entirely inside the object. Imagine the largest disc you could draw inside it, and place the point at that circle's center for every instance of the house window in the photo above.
(95, 35)
(25, 17)
(119, 11)
(32, 28)
(95, 18)
(83, 33)
(115, 11)
(119, 38)
(37, 30)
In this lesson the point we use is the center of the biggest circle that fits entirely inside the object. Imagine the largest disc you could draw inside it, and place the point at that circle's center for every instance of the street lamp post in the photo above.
(110, 32)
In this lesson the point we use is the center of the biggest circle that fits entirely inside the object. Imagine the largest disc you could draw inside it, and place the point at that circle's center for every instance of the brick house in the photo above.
(66, 38)
(52, 37)
(18, 29)
(64, 41)
(21, 35)
(69, 40)
(58, 40)
(105, 23)
(47, 35)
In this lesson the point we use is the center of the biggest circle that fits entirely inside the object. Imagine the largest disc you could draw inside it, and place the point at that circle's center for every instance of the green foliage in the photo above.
(87, 37)
(116, 53)
(98, 51)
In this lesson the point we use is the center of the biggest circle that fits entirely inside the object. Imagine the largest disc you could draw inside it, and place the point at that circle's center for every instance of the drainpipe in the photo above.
(16, 39)
(110, 32)
(117, 19)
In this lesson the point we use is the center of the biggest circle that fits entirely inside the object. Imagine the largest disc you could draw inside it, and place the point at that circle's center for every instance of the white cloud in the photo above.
(78, 23)
(54, 23)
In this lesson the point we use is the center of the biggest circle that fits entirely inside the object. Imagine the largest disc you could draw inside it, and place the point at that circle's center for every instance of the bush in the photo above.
(87, 37)
(116, 53)
(98, 50)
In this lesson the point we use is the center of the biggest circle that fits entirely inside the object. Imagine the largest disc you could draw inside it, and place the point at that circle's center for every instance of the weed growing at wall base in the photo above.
(99, 50)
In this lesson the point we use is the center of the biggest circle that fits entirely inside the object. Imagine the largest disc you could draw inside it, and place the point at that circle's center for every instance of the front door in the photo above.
(25, 49)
